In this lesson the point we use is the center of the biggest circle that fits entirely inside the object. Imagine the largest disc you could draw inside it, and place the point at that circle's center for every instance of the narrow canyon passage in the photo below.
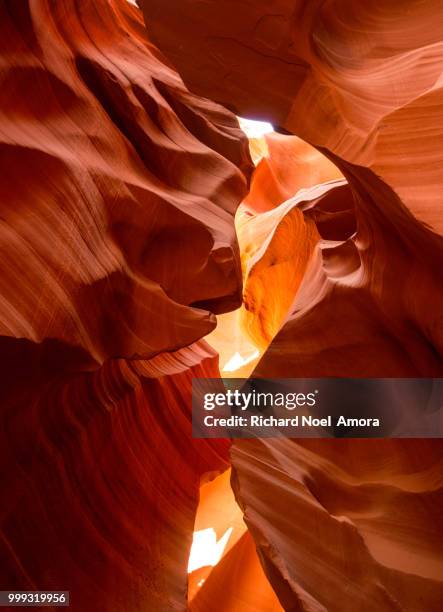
(197, 189)
(362, 308)
(290, 177)
(297, 197)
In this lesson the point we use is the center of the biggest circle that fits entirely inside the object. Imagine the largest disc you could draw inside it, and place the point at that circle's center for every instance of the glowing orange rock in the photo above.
(362, 309)
(288, 165)
(363, 82)
(342, 525)
(277, 247)
(237, 583)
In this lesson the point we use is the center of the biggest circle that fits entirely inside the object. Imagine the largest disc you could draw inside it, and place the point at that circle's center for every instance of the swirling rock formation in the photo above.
(356, 525)
(277, 247)
(361, 310)
(109, 160)
(101, 475)
(286, 165)
(365, 298)
(118, 192)
(345, 524)
(341, 88)
(363, 82)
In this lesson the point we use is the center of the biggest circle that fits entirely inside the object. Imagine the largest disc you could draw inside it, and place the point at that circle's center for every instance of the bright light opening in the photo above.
(237, 361)
(255, 129)
(205, 550)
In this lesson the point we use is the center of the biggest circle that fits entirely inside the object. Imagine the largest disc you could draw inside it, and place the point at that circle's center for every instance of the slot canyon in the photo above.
(206, 189)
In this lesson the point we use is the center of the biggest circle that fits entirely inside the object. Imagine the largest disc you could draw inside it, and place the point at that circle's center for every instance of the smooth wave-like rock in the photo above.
(345, 525)
(286, 165)
(363, 308)
(342, 525)
(377, 283)
(342, 89)
(277, 247)
(118, 187)
(118, 190)
(101, 475)
(363, 82)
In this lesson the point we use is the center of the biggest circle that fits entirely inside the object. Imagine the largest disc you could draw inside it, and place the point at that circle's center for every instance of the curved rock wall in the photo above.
(363, 82)
(345, 524)
(340, 525)
(105, 159)
(118, 190)
(100, 475)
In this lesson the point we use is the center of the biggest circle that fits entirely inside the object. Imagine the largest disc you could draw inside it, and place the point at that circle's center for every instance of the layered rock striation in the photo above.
(118, 190)
(118, 186)
(339, 525)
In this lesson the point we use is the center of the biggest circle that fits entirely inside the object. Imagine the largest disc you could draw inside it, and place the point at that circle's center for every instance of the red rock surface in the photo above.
(355, 525)
(345, 525)
(286, 165)
(118, 192)
(361, 81)
(100, 475)
(363, 306)
(109, 160)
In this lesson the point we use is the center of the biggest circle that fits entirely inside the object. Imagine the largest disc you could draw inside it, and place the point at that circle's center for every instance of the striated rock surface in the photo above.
(342, 88)
(277, 239)
(363, 307)
(101, 475)
(345, 525)
(118, 190)
(364, 527)
(341, 525)
(118, 186)
(361, 81)
(277, 247)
